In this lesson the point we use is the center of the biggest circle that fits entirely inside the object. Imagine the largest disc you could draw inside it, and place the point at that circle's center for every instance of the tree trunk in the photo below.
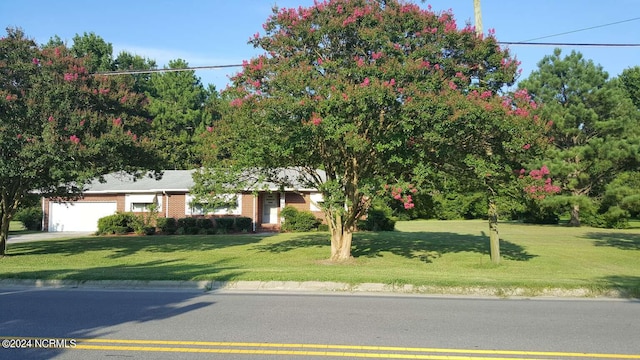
(575, 215)
(341, 239)
(494, 238)
(4, 232)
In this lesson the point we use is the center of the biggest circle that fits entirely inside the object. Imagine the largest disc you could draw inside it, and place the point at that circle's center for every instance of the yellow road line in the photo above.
(314, 349)
(362, 347)
(290, 353)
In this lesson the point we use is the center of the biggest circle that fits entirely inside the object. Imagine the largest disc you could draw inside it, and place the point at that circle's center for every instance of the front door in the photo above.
(270, 209)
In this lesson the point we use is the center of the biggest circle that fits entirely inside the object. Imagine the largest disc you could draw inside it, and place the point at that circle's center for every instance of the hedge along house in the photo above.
(170, 195)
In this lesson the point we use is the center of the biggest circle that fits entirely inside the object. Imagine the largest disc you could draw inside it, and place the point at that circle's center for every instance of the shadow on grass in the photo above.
(621, 241)
(628, 285)
(122, 246)
(425, 246)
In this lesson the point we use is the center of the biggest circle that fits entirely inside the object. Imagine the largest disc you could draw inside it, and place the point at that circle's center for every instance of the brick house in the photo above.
(120, 193)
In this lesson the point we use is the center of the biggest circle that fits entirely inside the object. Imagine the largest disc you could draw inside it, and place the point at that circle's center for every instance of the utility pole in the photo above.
(478, 15)
(494, 237)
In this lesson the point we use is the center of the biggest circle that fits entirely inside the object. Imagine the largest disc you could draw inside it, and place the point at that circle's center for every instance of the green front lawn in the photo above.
(431, 253)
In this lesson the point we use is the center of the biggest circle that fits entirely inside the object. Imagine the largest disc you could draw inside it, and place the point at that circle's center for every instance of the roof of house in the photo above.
(182, 181)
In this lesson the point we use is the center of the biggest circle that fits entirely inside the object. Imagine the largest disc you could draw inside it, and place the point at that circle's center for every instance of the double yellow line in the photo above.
(353, 351)
(350, 351)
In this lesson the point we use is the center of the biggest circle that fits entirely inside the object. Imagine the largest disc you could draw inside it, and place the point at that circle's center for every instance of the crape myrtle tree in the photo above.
(372, 93)
(60, 127)
(595, 128)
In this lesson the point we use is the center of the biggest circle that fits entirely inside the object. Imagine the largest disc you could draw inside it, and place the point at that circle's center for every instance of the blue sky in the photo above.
(215, 32)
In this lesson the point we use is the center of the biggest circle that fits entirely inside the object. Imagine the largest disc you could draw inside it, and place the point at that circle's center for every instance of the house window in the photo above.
(141, 202)
(316, 200)
(193, 208)
(140, 207)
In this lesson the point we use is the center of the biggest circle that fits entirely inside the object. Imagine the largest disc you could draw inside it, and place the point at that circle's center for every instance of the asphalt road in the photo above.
(187, 324)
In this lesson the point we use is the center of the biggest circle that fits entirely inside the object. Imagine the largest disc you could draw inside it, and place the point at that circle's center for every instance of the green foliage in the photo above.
(373, 93)
(177, 105)
(244, 224)
(167, 226)
(225, 225)
(119, 223)
(61, 127)
(204, 223)
(378, 219)
(298, 221)
(30, 217)
(595, 127)
(454, 206)
(187, 226)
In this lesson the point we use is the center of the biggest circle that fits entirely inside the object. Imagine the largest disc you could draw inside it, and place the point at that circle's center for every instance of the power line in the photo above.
(149, 71)
(526, 43)
(575, 31)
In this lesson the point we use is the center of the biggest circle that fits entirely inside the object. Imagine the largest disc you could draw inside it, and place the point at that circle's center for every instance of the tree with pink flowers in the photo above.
(373, 93)
(61, 126)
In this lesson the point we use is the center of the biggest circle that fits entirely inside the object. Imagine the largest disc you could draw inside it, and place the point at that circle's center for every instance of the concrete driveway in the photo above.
(47, 236)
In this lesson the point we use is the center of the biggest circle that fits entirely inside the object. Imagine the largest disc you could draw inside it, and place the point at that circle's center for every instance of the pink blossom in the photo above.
(209, 128)
(408, 206)
(452, 85)
(82, 122)
(544, 170)
(360, 62)
(19, 136)
(526, 146)
(345, 97)
(117, 122)
(316, 119)
(550, 123)
(397, 197)
(74, 139)
(320, 61)
(35, 61)
(123, 100)
(236, 102)
(376, 55)
(9, 97)
(70, 77)
(486, 94)
(51, 119)
(365, 82)
(425, 64)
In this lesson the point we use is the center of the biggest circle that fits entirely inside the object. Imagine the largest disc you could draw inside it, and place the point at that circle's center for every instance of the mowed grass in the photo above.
(437, 254)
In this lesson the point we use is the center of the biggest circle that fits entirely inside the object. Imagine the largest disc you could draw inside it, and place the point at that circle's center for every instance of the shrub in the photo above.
(298, 221)
(378, 219)
(167, 225)
(187, 222)
(224, 225)
(118, 223)
(204, 223)
(323, 227)
(30, 217)
(243, 224)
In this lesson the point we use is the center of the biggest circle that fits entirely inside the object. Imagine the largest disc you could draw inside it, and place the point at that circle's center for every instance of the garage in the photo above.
(78, 216)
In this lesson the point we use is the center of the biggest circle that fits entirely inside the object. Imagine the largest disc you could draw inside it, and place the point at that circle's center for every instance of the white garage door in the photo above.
(78, 216)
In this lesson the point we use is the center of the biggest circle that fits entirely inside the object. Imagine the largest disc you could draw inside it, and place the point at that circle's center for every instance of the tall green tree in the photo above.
(630, 79)
(126, 61)
(61, 127)
(595, 127)
(98, 52)
(177, 107)
(372, 93)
